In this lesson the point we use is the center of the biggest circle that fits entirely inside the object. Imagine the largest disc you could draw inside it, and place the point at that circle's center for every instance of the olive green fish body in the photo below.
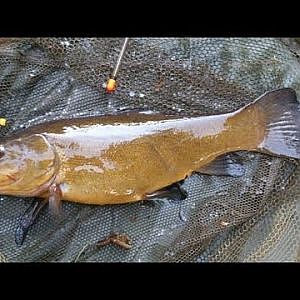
(121, 159)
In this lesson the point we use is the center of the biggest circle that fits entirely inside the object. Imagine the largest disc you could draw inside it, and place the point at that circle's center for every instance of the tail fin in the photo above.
(282, 116)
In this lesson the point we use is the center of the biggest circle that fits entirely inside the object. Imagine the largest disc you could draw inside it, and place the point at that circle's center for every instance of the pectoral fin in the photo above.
(32, 212)
(225, 165)
(27, 220)
(173, 191)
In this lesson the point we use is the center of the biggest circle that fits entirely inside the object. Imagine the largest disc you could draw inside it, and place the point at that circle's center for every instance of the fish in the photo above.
(129, 157)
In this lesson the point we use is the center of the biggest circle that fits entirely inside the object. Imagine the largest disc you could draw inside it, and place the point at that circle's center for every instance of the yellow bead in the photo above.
(2, 122)
(111, 85)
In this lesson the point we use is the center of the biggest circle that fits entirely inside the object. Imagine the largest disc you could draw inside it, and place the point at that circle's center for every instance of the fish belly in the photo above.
(127, 172)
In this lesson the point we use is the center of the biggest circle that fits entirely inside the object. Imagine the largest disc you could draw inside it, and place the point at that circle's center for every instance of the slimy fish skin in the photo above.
(129, 157)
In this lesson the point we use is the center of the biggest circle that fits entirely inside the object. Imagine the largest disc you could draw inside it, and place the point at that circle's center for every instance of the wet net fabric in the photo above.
(251, 218)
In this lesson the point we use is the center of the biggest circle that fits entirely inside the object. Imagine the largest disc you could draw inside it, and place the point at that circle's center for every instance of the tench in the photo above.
(134, 156)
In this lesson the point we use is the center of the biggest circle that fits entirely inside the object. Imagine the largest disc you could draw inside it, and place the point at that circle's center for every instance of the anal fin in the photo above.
(224, 165)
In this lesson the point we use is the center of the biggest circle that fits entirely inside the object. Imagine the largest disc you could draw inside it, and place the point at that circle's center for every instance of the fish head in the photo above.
(27, 166)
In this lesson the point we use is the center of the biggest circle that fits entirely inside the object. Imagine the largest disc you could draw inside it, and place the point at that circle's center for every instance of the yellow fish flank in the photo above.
(124, 158)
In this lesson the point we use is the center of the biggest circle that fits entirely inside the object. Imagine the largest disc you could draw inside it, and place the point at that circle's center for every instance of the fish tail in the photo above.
(281, 114)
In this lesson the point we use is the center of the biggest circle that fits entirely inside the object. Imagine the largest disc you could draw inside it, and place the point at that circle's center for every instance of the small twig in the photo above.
(121, 240)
